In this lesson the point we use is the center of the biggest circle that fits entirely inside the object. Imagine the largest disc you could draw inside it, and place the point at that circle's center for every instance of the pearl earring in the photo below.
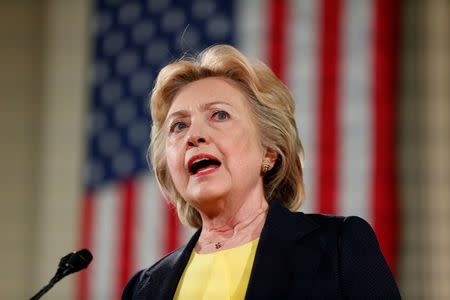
(265, 165)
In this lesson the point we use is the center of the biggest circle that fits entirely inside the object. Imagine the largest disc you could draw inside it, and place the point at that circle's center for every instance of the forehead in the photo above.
(208, 90)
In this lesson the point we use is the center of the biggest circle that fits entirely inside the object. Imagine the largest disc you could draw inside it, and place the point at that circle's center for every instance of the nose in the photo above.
(195, 141)
(197, 135)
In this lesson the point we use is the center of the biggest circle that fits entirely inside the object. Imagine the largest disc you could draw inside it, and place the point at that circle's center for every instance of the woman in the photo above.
(226, 151)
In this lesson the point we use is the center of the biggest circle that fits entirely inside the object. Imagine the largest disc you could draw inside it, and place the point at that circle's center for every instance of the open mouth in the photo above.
(200, 163)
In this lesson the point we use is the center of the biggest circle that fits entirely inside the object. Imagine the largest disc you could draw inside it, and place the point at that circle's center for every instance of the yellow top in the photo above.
(220, 275)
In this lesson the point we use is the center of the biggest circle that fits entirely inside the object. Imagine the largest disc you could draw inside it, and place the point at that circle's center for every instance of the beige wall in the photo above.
(20, 98)
(436, 113)
(425, 149)
(64, 103)
(411, 274)
(43, 82)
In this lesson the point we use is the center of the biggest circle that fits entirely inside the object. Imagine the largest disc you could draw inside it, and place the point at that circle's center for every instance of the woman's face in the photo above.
(213, 149)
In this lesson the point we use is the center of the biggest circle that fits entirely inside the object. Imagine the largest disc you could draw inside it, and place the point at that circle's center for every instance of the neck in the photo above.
(233, 226)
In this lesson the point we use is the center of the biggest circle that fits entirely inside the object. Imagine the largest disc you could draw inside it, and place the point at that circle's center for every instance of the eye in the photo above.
(178, 126)
(221, 115)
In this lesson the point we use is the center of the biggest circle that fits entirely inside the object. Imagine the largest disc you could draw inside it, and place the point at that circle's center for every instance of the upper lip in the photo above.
(200, 156)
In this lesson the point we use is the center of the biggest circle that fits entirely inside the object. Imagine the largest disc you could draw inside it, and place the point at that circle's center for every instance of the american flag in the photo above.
(337, 56)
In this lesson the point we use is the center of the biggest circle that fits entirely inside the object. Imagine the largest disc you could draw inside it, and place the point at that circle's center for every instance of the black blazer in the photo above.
(299, 256)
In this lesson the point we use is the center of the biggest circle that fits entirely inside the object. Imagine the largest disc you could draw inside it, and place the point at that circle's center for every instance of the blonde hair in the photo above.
(271, 103)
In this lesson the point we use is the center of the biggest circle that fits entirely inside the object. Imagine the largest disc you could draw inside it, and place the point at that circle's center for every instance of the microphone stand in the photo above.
(64, 269)
(47, 287)
(71, 263)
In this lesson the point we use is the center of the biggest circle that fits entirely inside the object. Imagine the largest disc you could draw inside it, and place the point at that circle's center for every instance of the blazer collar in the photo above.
(269, 275)
(286, 225)
(275, 258)
(172, 271)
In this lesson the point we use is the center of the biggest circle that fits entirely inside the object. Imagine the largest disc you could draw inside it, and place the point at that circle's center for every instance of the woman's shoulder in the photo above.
(350, 230)
(323, 219)
(155, 271)
(352, 241)
(327, 227)
(353, 223)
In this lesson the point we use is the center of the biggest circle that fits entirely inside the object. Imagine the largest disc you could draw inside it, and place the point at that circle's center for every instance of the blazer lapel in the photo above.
(165, 277)
(283, 250)
(281, 253)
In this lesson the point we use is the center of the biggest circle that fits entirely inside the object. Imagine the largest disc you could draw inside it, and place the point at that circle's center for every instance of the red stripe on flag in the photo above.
(277, 36)
(172, 237)
(128, 198)
(86, 240)
(385, 68)
(328, 101)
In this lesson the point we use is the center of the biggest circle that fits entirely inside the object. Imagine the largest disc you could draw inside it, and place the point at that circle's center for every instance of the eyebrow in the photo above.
(203, 107)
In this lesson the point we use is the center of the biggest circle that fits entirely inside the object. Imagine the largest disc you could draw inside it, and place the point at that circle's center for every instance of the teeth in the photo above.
(199, 160)
(200, 163)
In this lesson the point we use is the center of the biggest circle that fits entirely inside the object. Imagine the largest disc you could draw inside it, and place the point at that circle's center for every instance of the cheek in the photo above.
(246, 149)
(248, 140)
(175, 162)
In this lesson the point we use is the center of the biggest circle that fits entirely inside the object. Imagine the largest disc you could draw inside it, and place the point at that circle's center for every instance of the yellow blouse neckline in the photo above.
(229, 249)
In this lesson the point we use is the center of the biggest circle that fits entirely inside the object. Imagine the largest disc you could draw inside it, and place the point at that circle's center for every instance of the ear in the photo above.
(272, 156)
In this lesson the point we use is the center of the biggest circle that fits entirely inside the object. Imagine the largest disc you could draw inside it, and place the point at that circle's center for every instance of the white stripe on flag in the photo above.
(302, 80)
(149, 222)
(251, 25)
(355, 135)
(106, 208)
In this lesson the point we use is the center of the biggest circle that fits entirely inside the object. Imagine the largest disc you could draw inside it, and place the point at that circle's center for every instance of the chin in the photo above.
(206, 194)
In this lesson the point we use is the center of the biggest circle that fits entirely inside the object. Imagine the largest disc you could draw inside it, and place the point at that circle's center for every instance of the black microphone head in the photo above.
(80, 260)
(73, 262)
(70, 263)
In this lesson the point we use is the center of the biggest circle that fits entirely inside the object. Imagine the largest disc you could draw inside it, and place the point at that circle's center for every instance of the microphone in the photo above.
(71, 263)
